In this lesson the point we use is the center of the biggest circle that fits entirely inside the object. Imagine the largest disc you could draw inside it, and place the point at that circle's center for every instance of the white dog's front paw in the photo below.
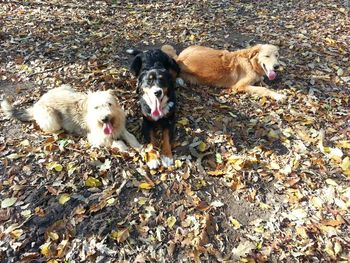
(153, 164)
(166, 161)
(120, 145)
(279, 97)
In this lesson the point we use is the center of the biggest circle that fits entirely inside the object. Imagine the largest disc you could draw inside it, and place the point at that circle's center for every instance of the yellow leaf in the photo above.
(7, 202)
(171, 221)
(343, 144)
(236, 225)
(71, 168)
(45, 249)
(164, 176)
(16, 233)
(183, 121)
(264, 206)
(24, 143)
(192, 37)
(337, 248)
(273, 134)
(202, 147)
(345, 164)
(53, 235)
(145, 185)
(120, 235)
(259, 229)
(111, 201)
(330, 41)
(259, 246)
(274, 165)
(331, 182)
(142, 201)
(63, 199)
(216, 172)
(92, 182)
(54, 166)
(178, 163)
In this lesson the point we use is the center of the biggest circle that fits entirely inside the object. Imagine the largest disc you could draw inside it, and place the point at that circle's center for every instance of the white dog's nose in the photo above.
(105, 119)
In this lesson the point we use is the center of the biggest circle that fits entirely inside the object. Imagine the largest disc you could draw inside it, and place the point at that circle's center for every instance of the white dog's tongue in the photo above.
(271, 74)
(107, 128)
(155, 107)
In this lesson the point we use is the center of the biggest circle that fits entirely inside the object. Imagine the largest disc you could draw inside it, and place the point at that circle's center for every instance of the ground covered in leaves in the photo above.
(254, 180)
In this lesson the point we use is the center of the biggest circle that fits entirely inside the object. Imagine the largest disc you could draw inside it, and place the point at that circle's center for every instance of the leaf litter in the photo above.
(254, 180)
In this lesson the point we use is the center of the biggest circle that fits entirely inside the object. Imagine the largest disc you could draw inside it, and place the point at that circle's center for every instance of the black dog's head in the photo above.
(151, 59)
(157, 88)
(156, 73)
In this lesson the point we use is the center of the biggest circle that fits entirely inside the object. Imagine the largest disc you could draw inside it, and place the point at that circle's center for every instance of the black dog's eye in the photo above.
(160, 76)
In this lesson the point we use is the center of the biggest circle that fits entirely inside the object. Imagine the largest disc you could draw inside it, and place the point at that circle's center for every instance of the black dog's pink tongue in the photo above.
(156, 111)
(107, 128)
(271, 74)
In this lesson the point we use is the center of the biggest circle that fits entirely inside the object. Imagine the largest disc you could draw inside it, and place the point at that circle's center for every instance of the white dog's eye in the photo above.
(267, 56)
(109, 104)
(96, 107)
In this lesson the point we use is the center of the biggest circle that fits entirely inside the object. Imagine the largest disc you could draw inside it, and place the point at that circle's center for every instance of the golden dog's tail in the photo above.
(19, 114)
(170, 51)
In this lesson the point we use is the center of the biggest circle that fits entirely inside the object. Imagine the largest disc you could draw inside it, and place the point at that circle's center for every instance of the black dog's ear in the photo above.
(173, 66)
(136, 65)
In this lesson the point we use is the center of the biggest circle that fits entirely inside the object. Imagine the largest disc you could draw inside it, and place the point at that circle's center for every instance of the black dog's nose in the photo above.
(105, 119)
(275, 67)
(158, 93)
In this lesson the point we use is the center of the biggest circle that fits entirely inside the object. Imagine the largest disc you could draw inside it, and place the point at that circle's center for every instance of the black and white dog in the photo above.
(156, 76)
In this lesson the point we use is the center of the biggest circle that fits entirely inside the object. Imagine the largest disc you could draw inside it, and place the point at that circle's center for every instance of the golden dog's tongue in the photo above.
(107, 128)
(271, 74)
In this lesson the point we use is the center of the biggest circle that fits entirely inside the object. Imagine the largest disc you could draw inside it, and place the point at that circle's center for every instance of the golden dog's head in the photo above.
(267, 58)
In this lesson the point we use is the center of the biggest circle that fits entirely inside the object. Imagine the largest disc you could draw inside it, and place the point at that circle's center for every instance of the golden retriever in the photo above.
(238, 70)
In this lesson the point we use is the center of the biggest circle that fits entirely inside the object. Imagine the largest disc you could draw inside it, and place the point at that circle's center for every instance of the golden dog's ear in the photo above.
(254, 51)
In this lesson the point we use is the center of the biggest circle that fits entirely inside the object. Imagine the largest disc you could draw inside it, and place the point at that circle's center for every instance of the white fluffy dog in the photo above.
(96, 115)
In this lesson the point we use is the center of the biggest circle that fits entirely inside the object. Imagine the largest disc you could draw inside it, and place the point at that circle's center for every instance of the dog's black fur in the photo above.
(154, 67)
(162, 79)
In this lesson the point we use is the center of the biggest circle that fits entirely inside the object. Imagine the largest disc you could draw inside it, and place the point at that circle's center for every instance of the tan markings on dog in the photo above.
(153, 138)
(238, 70)
(166, 147)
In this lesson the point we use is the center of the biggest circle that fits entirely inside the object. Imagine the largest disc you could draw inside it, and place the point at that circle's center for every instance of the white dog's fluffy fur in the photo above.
(96, 115)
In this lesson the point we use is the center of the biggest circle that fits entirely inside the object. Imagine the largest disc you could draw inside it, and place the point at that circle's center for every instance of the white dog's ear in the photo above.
(254, 51)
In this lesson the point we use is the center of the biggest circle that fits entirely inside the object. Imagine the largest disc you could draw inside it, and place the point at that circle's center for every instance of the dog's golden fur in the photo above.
(78, 113)
(237, 70)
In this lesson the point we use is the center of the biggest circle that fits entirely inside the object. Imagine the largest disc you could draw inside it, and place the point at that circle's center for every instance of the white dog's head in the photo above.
(267, 57)
(102, 110)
